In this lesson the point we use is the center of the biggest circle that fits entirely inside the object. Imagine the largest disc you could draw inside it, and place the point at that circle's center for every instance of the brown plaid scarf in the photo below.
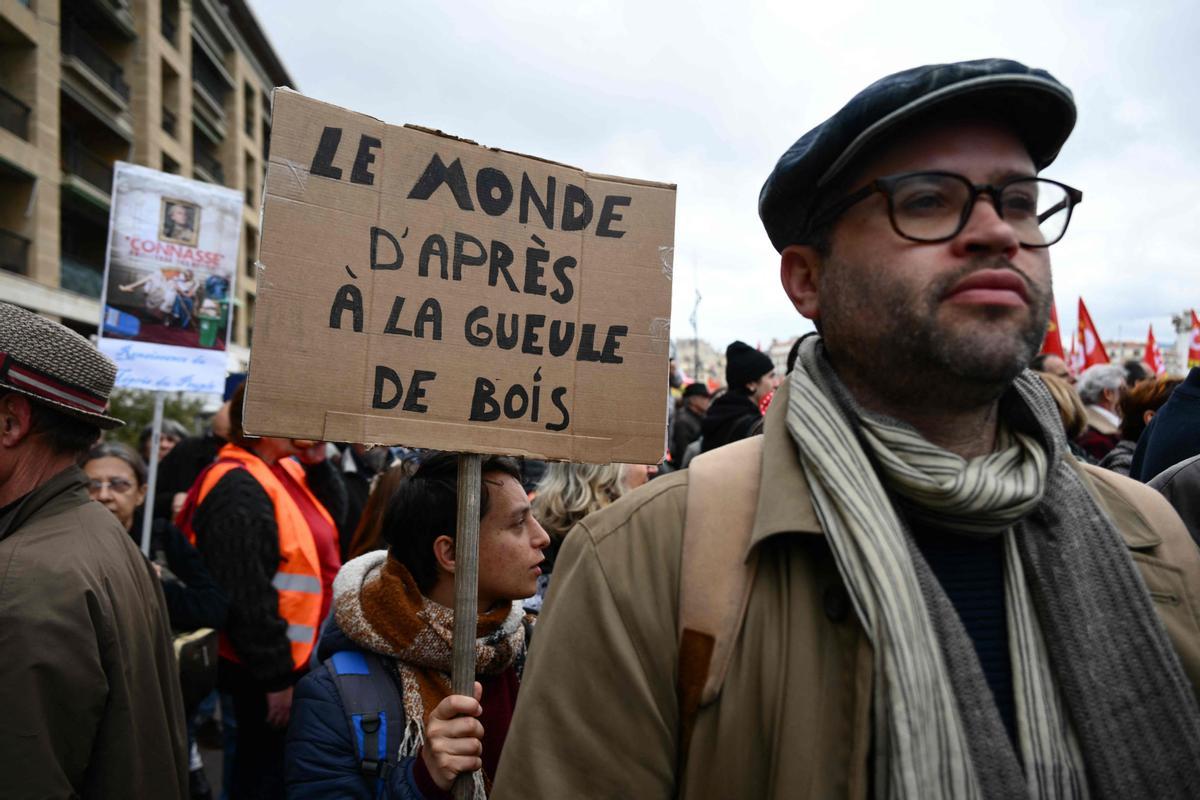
(378, 605)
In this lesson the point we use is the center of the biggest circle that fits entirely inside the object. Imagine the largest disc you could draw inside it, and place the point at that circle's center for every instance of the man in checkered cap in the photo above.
(88, 684)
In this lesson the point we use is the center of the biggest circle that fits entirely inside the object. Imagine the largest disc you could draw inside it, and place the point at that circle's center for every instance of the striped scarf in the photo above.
(378, 606)
(1102, 706)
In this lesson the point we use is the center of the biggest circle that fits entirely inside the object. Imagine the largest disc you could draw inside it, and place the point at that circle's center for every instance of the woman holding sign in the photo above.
(387, 652)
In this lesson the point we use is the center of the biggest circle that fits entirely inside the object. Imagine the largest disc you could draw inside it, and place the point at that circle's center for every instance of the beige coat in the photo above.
(598, 715)
(90, 704)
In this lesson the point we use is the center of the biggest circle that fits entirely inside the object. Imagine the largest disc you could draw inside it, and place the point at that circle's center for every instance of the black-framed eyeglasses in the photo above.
(935, 206)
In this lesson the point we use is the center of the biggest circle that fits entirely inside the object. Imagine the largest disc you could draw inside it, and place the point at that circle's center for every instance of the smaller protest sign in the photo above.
(169, 277)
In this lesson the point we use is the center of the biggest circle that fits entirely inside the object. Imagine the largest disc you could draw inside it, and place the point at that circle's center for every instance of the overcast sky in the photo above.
(708, 95)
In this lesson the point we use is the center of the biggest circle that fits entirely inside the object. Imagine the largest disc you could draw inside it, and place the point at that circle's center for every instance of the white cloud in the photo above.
(707, 95)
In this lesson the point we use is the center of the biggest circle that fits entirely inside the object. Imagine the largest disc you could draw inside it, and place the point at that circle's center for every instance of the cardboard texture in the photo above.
(528, 325)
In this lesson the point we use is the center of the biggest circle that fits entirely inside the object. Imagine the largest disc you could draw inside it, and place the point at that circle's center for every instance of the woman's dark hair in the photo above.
(425, 507)
(368, 535)
(237, 434)
(121, 451)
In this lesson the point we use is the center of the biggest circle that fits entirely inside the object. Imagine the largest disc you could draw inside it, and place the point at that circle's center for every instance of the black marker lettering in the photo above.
(322, 163)
(437, 173)
(360, 173)
(609, 215)
(349, 298)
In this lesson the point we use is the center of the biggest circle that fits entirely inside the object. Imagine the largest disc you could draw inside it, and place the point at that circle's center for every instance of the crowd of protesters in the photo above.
(959, 615)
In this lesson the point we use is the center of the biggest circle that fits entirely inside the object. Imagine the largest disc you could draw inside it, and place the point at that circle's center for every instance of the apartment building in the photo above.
(178, 85)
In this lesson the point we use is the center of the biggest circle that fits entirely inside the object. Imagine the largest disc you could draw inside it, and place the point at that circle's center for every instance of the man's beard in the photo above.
(895, 342)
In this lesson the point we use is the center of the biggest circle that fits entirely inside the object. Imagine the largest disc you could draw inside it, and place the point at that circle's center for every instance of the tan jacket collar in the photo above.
(784, 503)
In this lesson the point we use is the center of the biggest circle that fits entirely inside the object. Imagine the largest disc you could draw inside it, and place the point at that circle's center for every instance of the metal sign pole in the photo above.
(151, 483)
(466, 591)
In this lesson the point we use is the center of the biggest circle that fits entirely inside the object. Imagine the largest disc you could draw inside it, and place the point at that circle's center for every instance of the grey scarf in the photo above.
(1103, 706)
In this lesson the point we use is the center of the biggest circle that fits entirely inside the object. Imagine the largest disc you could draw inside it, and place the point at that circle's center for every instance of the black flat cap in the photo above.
(1041, 110)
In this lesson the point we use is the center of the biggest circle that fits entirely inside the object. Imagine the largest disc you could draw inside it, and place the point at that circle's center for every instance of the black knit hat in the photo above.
(744, 364)
(1041, 110)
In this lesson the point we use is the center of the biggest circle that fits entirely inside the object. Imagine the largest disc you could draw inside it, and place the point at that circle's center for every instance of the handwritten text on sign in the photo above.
(518, 305)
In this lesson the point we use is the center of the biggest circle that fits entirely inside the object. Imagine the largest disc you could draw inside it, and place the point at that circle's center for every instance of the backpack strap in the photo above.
(716, 572)
(374, 711)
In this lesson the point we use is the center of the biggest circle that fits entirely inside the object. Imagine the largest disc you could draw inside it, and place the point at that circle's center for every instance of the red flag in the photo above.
(1153, 356)
(1052, 344)
(1089, 339)
(1194, 345)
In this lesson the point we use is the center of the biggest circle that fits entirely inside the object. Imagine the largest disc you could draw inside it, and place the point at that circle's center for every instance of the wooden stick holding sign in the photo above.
(466, 591)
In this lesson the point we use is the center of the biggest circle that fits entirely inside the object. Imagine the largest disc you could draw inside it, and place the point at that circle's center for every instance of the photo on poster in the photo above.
(180, 222)
(172, 260)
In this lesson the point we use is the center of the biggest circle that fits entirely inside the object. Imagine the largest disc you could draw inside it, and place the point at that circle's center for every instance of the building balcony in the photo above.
(79, 276)
(14, 252)
(207, 166)
(78, 44)
(14, 115)
(81, 162)
(170, 121)
(170, 28)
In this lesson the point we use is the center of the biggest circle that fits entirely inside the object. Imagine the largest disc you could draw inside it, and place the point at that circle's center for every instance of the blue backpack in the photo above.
(374, 712)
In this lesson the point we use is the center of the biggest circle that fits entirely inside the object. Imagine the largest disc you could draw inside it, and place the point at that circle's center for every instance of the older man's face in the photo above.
(928, 314)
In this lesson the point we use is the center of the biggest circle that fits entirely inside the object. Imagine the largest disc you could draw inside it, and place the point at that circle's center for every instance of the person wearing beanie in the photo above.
(750, 376)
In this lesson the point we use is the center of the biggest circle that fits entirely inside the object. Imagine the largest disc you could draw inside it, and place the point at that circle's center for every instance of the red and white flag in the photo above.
(1153, 356)
(1194, 342)
(1089, 340)
(1075, 361)
(1052, 344)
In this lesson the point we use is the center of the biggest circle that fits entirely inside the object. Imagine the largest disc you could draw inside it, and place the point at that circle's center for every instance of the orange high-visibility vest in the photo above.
(298, 578)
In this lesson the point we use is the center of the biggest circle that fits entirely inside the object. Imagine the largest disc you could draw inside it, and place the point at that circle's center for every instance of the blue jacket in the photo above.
(321, 759)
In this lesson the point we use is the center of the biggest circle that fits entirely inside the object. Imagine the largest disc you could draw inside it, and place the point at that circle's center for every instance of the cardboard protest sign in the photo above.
(169, 280)
(419, 289)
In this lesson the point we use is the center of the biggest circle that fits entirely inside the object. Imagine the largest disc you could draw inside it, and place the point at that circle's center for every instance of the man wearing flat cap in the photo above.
(90, 704)
(917, 593)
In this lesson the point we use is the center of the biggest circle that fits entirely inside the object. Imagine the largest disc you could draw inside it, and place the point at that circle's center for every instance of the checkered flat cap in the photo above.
(55, 366)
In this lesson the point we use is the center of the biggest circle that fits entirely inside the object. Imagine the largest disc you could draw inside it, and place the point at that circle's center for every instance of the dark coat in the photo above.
(1180, 484)
(684, 430)
(730, 418)
(88, 682)
(194, 600)
(321, 759)
(1174, 433)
